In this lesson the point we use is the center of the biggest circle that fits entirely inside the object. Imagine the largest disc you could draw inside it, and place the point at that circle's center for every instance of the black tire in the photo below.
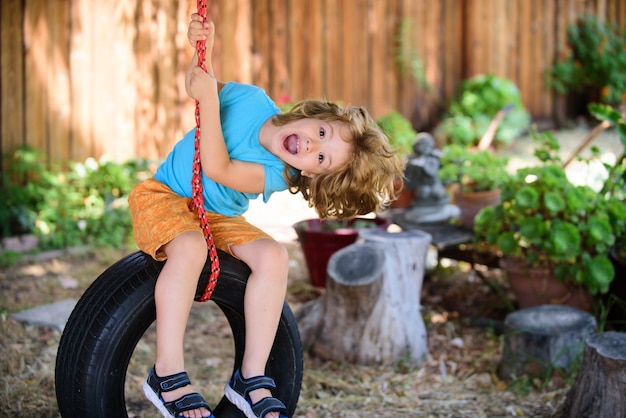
(115, 311)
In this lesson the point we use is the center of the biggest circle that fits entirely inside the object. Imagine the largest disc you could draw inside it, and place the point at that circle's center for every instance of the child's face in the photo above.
(312, 146)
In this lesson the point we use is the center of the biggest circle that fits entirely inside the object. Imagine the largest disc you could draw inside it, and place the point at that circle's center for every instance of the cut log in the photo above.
(600, 387)
(539, 339)
(370, 312)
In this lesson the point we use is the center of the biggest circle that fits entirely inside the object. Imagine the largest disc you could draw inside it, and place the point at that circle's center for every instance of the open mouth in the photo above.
(292, 144)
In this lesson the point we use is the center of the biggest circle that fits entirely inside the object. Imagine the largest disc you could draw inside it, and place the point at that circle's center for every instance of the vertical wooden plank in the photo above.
(166, 95)
(547, 54)
(408, 43)
(471, 59)
(227, 35)
(452, 48)
(560, 53)
(525, 52)
(261, 44)
(280, 84)
(348, 40)
(499, 56)
(82, 62)
(334, 60)
(392, 76)
(36, 37)
(184, 107)
(511, 35)
(243, 41)
(538, 45)
(359, 64)
(298, 47)
(58, 81)
(12, 78)
(382, 57)
(313, 62)
(425, 107)
(145, 85)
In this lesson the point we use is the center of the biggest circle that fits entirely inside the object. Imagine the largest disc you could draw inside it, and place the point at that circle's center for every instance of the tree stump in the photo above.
(600, 387)
(370, 312)
(539, 339)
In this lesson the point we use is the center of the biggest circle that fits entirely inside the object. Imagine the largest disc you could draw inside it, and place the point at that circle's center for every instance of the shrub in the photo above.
(594, 58)
(86, 204)
(477, 102)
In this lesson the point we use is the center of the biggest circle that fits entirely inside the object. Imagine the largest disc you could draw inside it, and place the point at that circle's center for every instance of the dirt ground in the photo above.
(458, 379)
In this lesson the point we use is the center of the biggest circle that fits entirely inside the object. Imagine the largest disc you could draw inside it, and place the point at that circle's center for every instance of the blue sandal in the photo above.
(155, 385)
(237, 392)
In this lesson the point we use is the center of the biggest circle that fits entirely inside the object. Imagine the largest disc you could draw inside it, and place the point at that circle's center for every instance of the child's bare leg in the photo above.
(174, 295)
(263, 302)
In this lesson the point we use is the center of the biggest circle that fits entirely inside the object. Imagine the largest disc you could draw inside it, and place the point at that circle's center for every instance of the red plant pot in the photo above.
(322, 238)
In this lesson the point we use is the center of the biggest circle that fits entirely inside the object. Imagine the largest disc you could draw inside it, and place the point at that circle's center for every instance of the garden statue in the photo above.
(431, 203)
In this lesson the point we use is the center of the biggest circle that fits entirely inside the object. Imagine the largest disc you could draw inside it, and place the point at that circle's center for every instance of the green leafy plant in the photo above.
(399, 130)
(473, 171)
(594, 58)
(615, 184)
(22, 184)
(479, 99)
(85, 204)
(544, 220)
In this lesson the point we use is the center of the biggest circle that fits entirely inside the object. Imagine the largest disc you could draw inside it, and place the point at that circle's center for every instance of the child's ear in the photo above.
(307, 174)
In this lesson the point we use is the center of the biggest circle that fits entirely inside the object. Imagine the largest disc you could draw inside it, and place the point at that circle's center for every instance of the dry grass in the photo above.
(458, 379)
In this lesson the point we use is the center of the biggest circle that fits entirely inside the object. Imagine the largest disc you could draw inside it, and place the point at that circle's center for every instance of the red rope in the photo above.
(197, 199)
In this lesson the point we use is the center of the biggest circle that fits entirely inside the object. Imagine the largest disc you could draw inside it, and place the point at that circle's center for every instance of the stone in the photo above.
(53, 315)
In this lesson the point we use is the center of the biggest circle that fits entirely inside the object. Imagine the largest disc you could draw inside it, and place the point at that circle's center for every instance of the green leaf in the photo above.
(554, 201)
(565, 238)
(600, 230)
(600, 274)
(507, 242)
(533, 228)
(605, 112)
(527, 197)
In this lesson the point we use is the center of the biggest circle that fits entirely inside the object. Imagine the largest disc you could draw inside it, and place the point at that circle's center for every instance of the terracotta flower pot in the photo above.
(319, 242)
(471, 203)
(538, 286)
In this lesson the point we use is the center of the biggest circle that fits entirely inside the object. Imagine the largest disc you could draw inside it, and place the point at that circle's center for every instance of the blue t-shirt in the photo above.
(243, 110)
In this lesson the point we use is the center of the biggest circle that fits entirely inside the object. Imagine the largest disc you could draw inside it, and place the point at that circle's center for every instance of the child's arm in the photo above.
(216, 163)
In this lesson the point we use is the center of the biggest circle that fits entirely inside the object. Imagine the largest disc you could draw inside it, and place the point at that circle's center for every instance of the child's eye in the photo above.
(320, 158)
(322, 133)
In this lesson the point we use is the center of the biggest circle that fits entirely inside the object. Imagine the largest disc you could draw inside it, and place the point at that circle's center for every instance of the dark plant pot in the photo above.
(471, 203)
(319, 242)
(538, 286)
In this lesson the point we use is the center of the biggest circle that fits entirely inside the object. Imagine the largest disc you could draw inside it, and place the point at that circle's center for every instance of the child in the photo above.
(336, 157)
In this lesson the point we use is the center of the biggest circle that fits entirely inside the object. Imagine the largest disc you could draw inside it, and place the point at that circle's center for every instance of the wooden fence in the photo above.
(83, 78)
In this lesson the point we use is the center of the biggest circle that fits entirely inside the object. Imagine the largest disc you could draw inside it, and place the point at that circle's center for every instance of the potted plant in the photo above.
(552, 233)
(593, 61)
(401, 136)
(615, 186)
(476, 176)
(320, 238)
(479, 99)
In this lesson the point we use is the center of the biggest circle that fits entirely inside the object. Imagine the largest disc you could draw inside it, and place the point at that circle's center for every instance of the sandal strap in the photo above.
(245, 386)
(186, 403)
(167, 383)
(267, 405)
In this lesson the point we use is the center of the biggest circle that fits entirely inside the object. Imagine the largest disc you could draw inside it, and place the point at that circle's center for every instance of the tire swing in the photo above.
(115, 311)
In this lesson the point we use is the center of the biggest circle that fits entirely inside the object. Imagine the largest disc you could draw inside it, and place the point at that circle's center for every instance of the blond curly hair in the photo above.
(366, 183)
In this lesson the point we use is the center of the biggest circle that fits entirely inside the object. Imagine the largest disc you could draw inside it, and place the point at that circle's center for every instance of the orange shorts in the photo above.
(159, 215)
